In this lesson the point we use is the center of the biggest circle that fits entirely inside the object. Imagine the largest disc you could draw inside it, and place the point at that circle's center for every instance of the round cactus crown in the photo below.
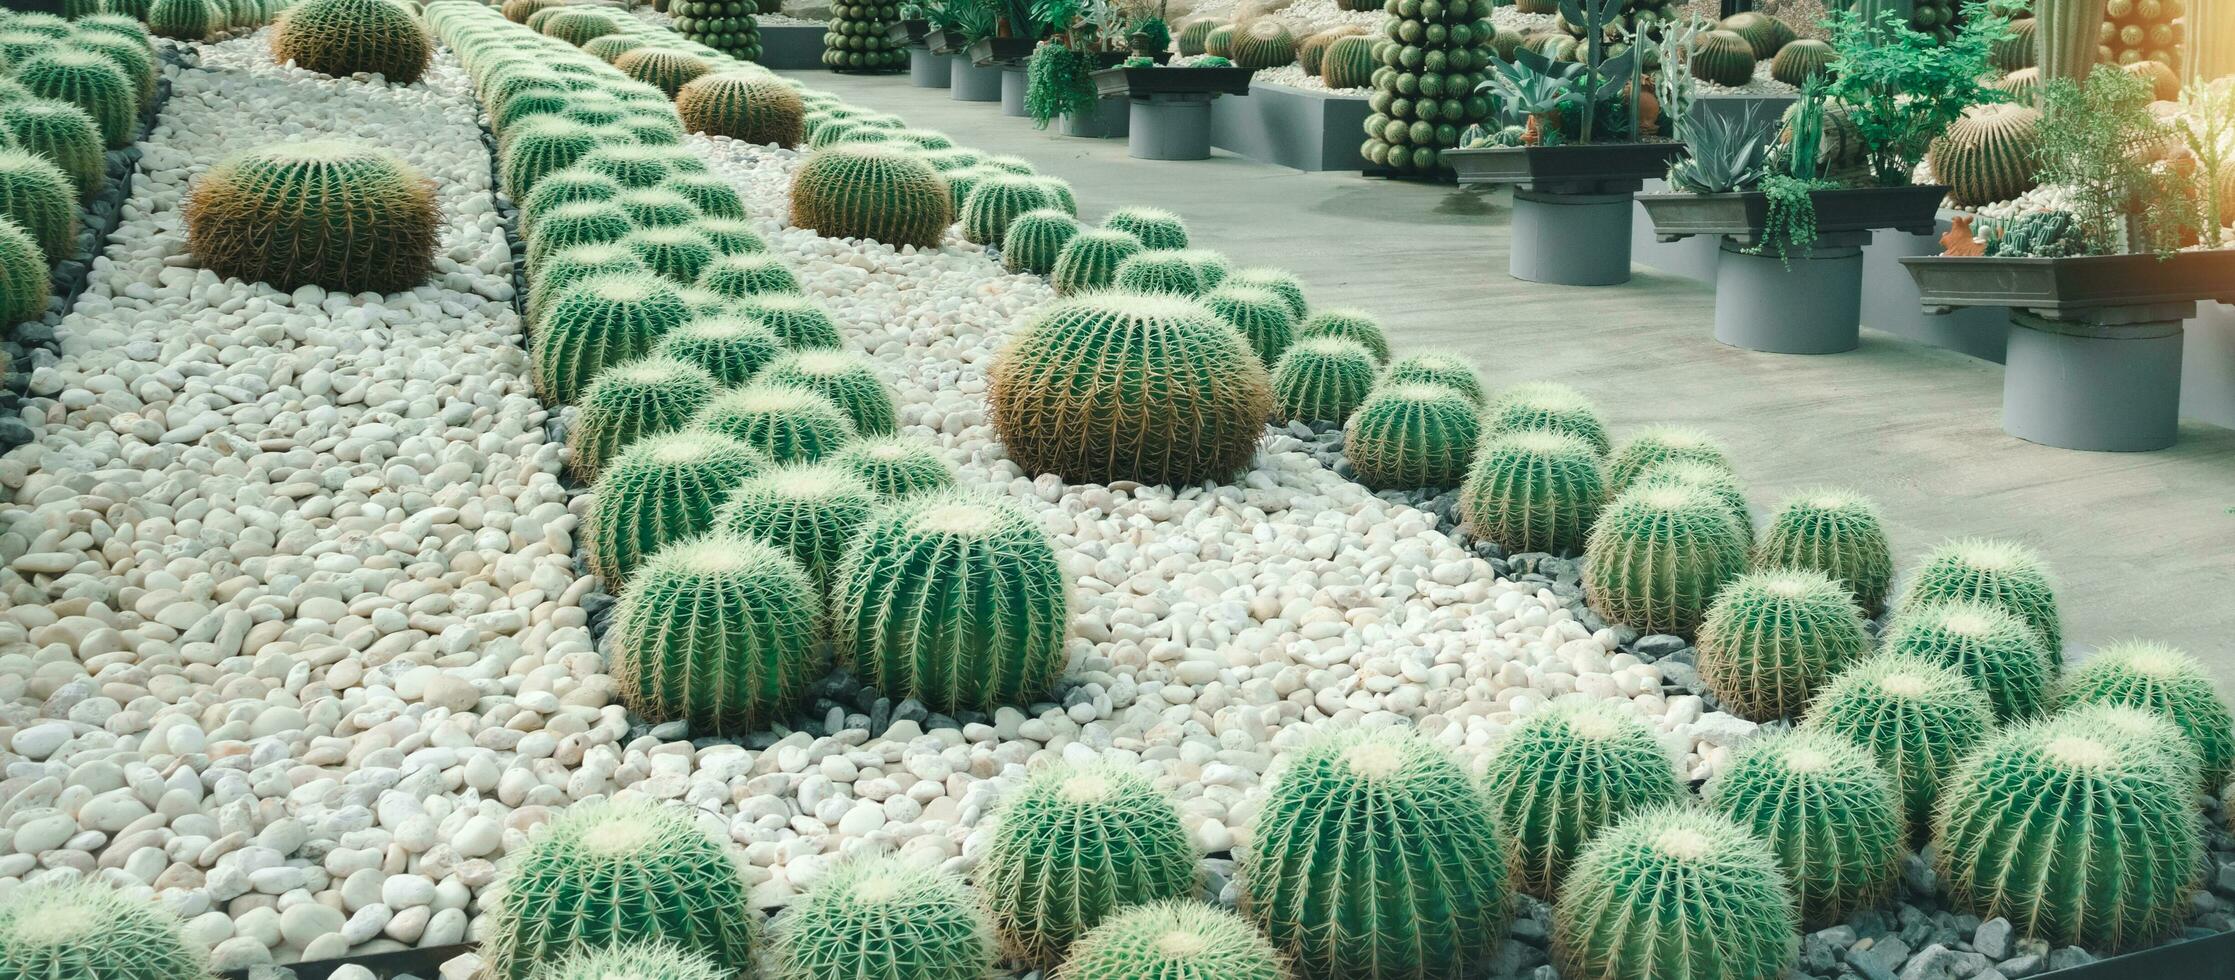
(635, 961)
(1156, 228)
(1180, 939)
(1074, 845)
(82, 927)
(1349, 324)
(1713, 891)
(342, 215)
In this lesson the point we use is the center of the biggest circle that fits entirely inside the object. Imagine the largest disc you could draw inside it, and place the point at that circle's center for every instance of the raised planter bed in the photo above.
(1742, 215)
(1308, 129)
(1144, 82)
(909, 31)
(1169, 109)
(792, 46)
(1000, 50)
(1588, 168)
(1572, 213)
(2073, 286)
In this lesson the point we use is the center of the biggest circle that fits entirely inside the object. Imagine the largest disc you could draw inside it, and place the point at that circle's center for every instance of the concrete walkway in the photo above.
(2144, 544)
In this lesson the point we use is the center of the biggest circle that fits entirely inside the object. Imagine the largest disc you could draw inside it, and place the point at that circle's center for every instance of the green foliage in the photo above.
(730, 348)
(801, 323)
(1035, 238)
(995, 202)
(786, 424)
(629, 401)
(1090, 260)
(1774, 637)
(2000, 573)
(2099, 137)
(1073, 846)
(1828, 812)
(659, 491)
(1916, 716)
(751, 274)
(1058, 84)
(1352, 325)
(1838, 533)
(347, 217)
(1903, 88)
(1389, 823)
(885, 919)
(345, 37)
(2163, 680)
(847, 379)
(1262, 317)
(1718, 905)
(1566, 774)
(600, 322)
(82, 929)
(1658, 555)
(864, 191)
(1173, 940)
(1162, 271)
(60, 132)
(1155, 228)
(895, 466)
(90, 82)
(1548, 406)
(1412, 435)
(718, 631)
(23, 275)
(743, 106)
(1322, 379)
(1660, 444)
(1532, 491)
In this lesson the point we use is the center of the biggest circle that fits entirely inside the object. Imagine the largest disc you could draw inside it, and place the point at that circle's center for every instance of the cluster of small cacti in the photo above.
(857, 38)
(2138, 31)
(724, 25)
(345, 37)
(1988, 156)
(347, 217)
(1431, 56)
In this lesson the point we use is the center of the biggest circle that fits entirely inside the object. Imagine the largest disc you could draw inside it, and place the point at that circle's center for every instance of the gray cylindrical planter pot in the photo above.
(970, 83)
(928, 70)
(1571, 239)
(1813, 307)
(1014, 83)
(1170, 126)
(1107, 121)
(2102, 387)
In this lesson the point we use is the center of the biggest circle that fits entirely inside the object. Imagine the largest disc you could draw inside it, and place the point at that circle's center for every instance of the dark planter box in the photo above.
(2069, 285)
(941, 42)
(1570, 163)
(1000, 50)
(1743, 215)
(1144, 82)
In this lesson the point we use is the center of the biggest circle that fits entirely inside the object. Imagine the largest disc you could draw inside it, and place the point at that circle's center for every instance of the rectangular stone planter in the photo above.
(792, 46)
(941, 42)
(1742, 215)
(1000, 50)
(1596, 168)
(2073, 286)
(1301, 128)
(1144, 82)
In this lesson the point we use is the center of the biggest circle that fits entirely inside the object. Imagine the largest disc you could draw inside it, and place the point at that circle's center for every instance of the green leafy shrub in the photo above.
(1178, 939)
(1774, 637)
(896, 466)
(632, 400)
(1657, 556)
(598, 323)
(2164, 680)
(81, 929)
(1717, 902)
(1915, 716)
(718, 631)
(345, 37)
(864, 191)
(1563, 776)
(730, 348)
(347, 217)
(1836, 532)
(1035, 238)
(1532, 491)
(1074, 845)
(786, 424)
(848, 380)
(1090, 260)
(1830, 814)
(1986, 644)
(659, 491)
(1322, 379)
(885, 919)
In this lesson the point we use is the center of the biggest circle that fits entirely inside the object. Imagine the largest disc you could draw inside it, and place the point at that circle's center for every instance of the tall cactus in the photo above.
(2069, 32)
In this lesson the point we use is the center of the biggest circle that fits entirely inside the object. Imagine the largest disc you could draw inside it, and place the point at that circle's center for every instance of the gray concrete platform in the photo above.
(2144, 544)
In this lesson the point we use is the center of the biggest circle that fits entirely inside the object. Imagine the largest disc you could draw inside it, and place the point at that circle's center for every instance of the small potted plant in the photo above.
(956, 25)
(1060, 76)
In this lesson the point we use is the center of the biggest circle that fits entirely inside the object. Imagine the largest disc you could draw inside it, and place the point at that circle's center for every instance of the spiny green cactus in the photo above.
(1211, 266)
(847, 379)
(1349, 63)
(676, 253)
(730, 348)
(661, 490)
(1090, 260)
(1551, 407)
(1565, 774)
(1112, 386)
(129, 53)
(83, 928)
(1723, 57)
(90, 82)
(60, 132)
(1010, 163)
(632, 400)
(1774, 637)
(788, 425)
(1281, 282)
(1391, 823)
(579, 25)
(2164, 680)
(1155, 228)
(344, 37)
(995, 202)
(2003, 573)
(347, 217)
(1059, 190)
(657, 207)
(1533, 491)
(801, 323)
(633, 166)
(1714, 479)
(896, 466)
(617, 871)
(666, 69)
(2144, 733)
(881, 193)
(1988, 155)
(1353, 325)
(1175, 940)
(1188, 40)
(1412, 435)
(751, 274)
(637, 961)
(1448, 370)
(961, 182)
(528, 104)
(1158, 271)
(711, 194)
(952, 158)
(38, 22)
(953, 599)
(1825, 808)
(612, 46)
(541, 147)
(1035, 238)
(1801, 60)
(1987, 644)
(598, 323)
(1219, 43)
(1263, 43)
(1661, 444)
(23, 275)
(1074, 845)
(2071, 834)
(561, 188)
(128, 24)
(574, 265)
(885, 919)
(808, 511)
(1837, 532)
(731, 236)
(1260, 314)
(922, 138)
(1322, 379)
(1658, 555)
(1915, 716)
(1718, 905)
(718, 631)
(1765, 34)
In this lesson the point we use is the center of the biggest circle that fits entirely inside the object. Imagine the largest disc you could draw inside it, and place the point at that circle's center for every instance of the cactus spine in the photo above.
(1658, 555)
(1828, 812)
(884, 919)
(1073, 846)
(1090, 260)
(1915, 716)
(1563, 776)
(896, 467)
(1175, 940)
(1988, 155)
(81, 928)
(1836, 532)
(1550, 407)
(1991, 647)
(662, 490)
(855, 190)
(2001, 573)
(1411, 435)
(810, 512)
(1718, 905)
(345, 37)
(633, 400)
(786, 424)
(2164, 680)
(718, 631)
(1035, 238)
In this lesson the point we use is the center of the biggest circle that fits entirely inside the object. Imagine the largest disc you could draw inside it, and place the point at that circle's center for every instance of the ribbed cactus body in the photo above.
(598, 323)
(865, 191)
(2001, 573)
(559, 188)
(564, 269)
(83, 929)
(349, 218)
(666, 69)
(718, 631)
(1191, 35)
(1533, 491)
(1349, 63)
(1774, 637)
(1113, 386)
(1656, 558)
(1074, 845)
(1173, 940)
(637, 961)
(885, 919)
(1917, 718)
(632, 166)
(128, 52)
(1311, 50)
(712, 195)
(1563, 776)
(997, 201)
(2071, 834)
(1723, 57)
(1165, 271)
(659, 491)
(1801, 60)
(1219, 43)
(60, 132)
(2161, 679)
(24, 285)
(1548, 406)
(751, 274)
(2021, 49)
(1322, 379)
(1653, 446)
(1448, 370)
(1263, 43)
(1262, 317)
(1210, 265)
(732, 349)
(1353, 325)
(1988, 155)
(1987, 644)
(731, 236)
(1714, 479)
(632, 400)
(1156, 228)
(1281, 282)
(2068, 32)
(656, 207)
(1035, 238)
(578, 26)
(1376, 857)
(674, 253)
(896, 466)
(1412, 435)
(1090, 260)
(1765, 34)
(1825, 808)
(90, 82)
(540, 147)
(801, 323)
(619, 871)
(612, 46)
(1838, 533)
(345, 37)
(848, 380)
(788, 425)
(810, 512)
(1712, 892)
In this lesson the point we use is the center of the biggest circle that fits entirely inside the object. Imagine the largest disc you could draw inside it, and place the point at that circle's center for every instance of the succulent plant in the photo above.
(1389, 822)
(345, 37)
(1657, 556)
(676, 253)
(1723, 57)
(81, 928)
(866, 191)
(996, 201)
(560, 188)
(578, 25)
(1174, 940)
(712, 195)
(2018, 49)
(1090, 260)
(611, 47)
(1801, 60)
(2068, 32)
(1262, 317)
(1352, 325)
(347, 217)
(38, 198)
(1714, 479)
(1159, 271)
(1311, 50)
(632, 400)
(1564, 775)
(657, 207)
(638, 961)
(1825, 808)
(631, 165)
(564, 269)
(1776, 636)
(1987, 156)
(1838, 533)
(2002, 573)
(1986, 644)
(1075, 844)
(1764, 33)
(573, 225)
(619, 871)
(730, 236)
(1155, 228)
(60, 132)
(1322, 379)
(667, 69)
(1219, 42)
(1425, 99)
(786, 424)
(1718, 905)
(750, 274)
(848, 380)
(895, 466)
(130, 54)
(542, 146)
(661, 490)
(2163, 680)
(1660, 444)
(1035, 238)
(1551, 407)
(23, 275)
(1188, 40)
(1917, 718)
(1531, 491)
(719, 631)
(1262, 43)
(1412, 435)
(1448, 370)
(90, 82)
(2071, 834)
(1280, 282)
(954, 599)
(808, 511)
(597, 323)
(1349, 63)
(884, 919)
(799, 322)
(731, 349)
(1109, 387)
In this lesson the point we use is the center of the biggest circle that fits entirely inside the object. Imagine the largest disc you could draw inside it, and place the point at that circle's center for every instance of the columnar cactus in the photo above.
(83, 928)
(620, 870)
(848, 380)
(2068, 31)
(1155, 228)
(1177, 940)
(996, 201)
(896, 466)
(2164, 680)
(1035, 238)
(23, 275)
(786, 424)
(1448, 370)
(639, 398)
(1389, 822)
(732, 349)
(955, 600)
(1774, 637)
(1165, 271)
(1412, 435)
(1718, 905)
(1353, 325)
(1090, 260)
(1349, 63)
(1660, 444)
(598, 323)
(1714, 479)
(751, 274)
(1564, 775)
(1533, 491)
(1435, 54)
(1260, 314)
(1838, 533)
(90, 82)
(855, 190)
(1075, 844)
(744, 106)
(1108, 387)
(799, 322)
(1657, 556)
(2071, 834)
(345, 37)
(1988, 155)
(1825, 808)
(719, 631)
(1322, 379)
(1988, 645)
(810, 512)
(1551, 407)
(875, 918)
(60, 132)
(1915, 716)
(2003, 573)
(347, 217)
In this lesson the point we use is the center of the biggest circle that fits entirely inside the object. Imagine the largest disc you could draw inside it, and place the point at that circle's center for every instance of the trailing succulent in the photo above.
(347, 217)
(1074, 845)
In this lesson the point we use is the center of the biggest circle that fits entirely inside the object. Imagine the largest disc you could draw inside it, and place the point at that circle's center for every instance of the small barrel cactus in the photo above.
(543, 146)
(23, 275)
(896, 466)
(1774, 637)
(1349, 63)
(90, 82)
(37, 197)
(848, 380)
(1838, 533)
(632, 400)
(1219, 43)
(1830, 814)
(786, 424)
(1155, 228)
(563, 270)
(719, 631)
(633, 166)
(657, 207)
(1263, 43)
(619, 871)
(858, 190)
(955, 600)
(1174, 940)
(801, 323)
(1074, 845)
(574, 225)
(1719, 906)
(2164, 680)
(1356, 326)
(810, 512)
(1035, 238)
(1154, 271)
(1987, 156)
(1280, 281)
(1724, 58)
(1090, 260)
(666, 69)
(345, 37)
(2003, 573)
(60, 132)
(2071, 834)
(1764, 33)
(662, 490)
(1533, 491)
(731, 236)
(1915, 716)
(997, 201)
(2144, 733)
(579, 25)
(1986, 644)
(347, 217)
(1448, 370)
(1657, 556)
(635, 960)
(675, 253)
(1706, 476)
(1260, 314)
(1565, 774)
(560, 188)
(750, 274)
(1801, 60)
(1322, 380)
(1412, 435)
(129, 52)
(598, 323)
(732, 349)
(1653, 446)
(1392, 824)
(1551, 407)
(884, 919)
(711, 194)
(82, 929)
(1211, 266)
(2018, 49)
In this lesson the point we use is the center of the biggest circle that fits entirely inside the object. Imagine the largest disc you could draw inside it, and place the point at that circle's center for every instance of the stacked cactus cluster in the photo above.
(2137, 31)
(1432, 55)
(858, 38)
(724, 25)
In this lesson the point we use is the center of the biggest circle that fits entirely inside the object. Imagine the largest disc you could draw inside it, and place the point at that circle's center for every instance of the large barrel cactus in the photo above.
(884, 919)
(1774, 637)
(742, 106)
(60, 132)
(663, 68)
(660, 491)
(719, 631)
(1551, 407)
(1322, 379)
(23, 275)
(859, 190)
(1986, 644)
(786, 424)
(732, 349)
(1074, 845)
(1155, 228)
(345, 37)
(1263, 318)
(1661, 444)
(632, 400)
(1825, 808)
(1718, 905)
(1915, 716)
(1566, 774)
(2001, 573)
(1988, 155)
(1658, 555)
(598, 323)
(1533, 491)
(2159, 678)
(83, 929)
(1035, 238)
(347, 217)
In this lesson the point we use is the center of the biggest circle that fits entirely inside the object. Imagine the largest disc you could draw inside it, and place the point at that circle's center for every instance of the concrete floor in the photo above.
(2143, 544)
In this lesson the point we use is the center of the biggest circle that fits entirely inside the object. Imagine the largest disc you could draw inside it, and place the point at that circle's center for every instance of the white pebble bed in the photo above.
(1294, 76)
